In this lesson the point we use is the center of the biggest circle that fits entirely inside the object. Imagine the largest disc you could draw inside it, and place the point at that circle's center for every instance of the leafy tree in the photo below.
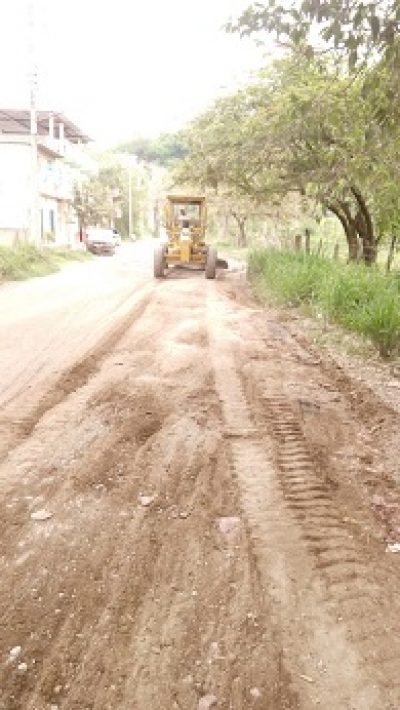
(223, 157)
(211, 162)
(356, 28)
(103, 198)
(303, 126)
(95, 201)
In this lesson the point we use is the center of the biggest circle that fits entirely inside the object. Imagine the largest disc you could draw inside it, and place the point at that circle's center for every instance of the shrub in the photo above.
(25, 260)
(359, 298)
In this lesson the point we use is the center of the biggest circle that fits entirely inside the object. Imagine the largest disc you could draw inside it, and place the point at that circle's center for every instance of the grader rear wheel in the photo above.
(211, 263)
(159, 262)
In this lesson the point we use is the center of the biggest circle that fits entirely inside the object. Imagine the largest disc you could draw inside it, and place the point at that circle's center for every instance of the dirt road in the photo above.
(195, 507)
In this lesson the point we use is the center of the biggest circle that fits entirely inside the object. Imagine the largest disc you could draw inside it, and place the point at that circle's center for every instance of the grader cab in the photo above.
(185, 220)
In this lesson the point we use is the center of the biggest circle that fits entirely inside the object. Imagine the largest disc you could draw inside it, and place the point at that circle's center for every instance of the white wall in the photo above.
(15, 164)
(56, 180)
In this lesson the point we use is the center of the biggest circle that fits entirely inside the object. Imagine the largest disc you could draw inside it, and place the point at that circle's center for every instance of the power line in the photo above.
(34, 229)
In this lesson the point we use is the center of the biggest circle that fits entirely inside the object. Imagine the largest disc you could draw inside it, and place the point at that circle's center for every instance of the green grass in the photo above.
(25, 261)
(291, 279)
(362, 300)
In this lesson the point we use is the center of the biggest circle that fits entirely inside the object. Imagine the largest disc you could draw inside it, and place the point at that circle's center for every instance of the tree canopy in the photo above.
(356, 28)
(305, 126)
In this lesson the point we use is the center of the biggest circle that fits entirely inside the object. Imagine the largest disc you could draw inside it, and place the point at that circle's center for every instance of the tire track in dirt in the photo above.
(58, 338)
(377, 460)
(350, 591)
(360, 577)
(14, 430)
(141, 607)
(273, 512)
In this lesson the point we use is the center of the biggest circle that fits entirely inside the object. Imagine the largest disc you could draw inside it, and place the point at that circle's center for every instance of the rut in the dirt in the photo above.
(362, 648)
(14, 429)
(116, 604)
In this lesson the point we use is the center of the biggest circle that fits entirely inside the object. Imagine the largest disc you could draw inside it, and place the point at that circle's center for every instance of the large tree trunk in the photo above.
(353, 244)
(365, 229)
(351, 233)
(342, 212)
(360, 226)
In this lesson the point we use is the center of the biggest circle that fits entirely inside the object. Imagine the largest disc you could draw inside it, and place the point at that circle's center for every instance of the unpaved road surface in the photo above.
(195, 506)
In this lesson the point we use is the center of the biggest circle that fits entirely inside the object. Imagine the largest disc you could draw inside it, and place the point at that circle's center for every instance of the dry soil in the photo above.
(199, 509)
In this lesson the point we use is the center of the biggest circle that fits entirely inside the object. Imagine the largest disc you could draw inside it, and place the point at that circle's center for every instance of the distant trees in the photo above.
(163, 150)
(102, 198)
(95, 199)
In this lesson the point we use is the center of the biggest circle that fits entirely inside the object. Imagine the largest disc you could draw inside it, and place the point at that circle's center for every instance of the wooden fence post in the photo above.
(297, 242)
(391, 253)
(359, 250)
(336, 252)
(308, 241)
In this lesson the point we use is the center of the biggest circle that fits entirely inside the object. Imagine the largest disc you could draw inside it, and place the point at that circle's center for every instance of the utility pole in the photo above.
(34, 230)
(130, 199)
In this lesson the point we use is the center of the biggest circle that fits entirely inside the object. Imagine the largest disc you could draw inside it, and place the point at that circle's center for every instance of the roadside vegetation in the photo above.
(361, 300)
(302, 163)
(313, 135)
(25, 261)
(316, 129)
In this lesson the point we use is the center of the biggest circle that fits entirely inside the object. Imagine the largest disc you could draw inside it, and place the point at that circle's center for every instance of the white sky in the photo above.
(119, 68)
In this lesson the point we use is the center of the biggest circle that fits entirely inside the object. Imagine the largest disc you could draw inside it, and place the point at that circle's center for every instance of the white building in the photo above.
(37, 175)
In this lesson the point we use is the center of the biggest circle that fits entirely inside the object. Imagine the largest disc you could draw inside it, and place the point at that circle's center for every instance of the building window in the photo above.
(52, 222)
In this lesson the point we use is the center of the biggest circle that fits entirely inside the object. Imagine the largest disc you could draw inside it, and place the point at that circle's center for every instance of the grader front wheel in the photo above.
(159, 262)
(211, 263)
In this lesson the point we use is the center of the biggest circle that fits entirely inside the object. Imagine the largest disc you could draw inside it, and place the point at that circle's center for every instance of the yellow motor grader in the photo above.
(185, 220)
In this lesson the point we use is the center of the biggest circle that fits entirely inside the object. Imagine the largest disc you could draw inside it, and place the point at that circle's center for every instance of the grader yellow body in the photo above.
(185, 219)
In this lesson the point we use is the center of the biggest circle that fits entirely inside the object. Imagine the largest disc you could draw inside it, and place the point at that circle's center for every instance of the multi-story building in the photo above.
(37, 176)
